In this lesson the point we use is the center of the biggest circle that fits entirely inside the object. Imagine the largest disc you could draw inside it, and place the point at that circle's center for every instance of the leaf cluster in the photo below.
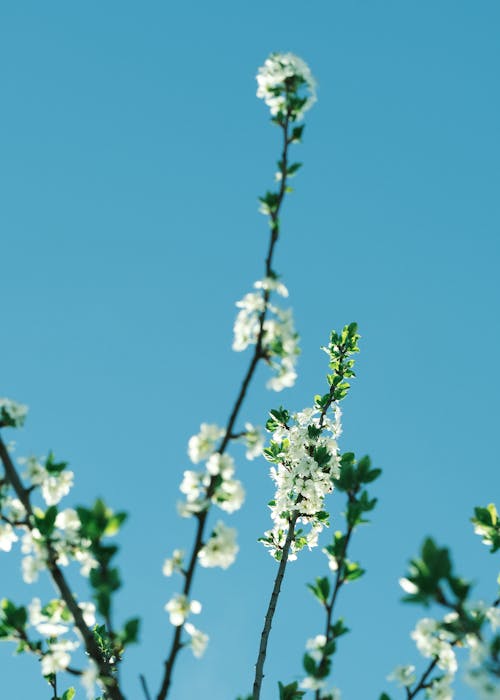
(487, 524)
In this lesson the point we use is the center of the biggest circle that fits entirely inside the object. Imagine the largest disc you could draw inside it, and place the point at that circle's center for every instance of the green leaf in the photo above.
(290, 692)
(69, 694)
(309, 665)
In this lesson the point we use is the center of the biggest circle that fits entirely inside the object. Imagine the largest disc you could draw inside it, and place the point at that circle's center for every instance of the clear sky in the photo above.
(132, 151)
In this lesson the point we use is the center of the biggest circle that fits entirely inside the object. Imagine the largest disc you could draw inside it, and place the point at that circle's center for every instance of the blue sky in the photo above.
(132, 153)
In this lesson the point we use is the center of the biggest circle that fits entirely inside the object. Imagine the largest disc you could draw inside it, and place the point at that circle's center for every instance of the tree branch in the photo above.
(259, 666)
(229, 433)
(105, 671)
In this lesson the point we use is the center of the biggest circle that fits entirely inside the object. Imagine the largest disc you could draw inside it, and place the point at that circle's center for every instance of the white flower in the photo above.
(194, 485)
(302, 482)
(493, 615)
(7, 537)
(55, 486)
(50, 623)
(221, 548)
(12, 414)
(31, 567)
(315, 647)
(310, 683)
(202, 445)
(179, 608)
(229, 496)
(408, 587)
(221, 464)
(199, 640)
(403, 675)
(440, 689)
(254, 440)
(173, 564)
(272, 284)
(89, 678)
(58, 657)
(88, 611)
(275, 76)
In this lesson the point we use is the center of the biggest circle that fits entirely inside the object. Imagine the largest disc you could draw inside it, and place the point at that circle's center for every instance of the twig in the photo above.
(259, 666)
(144, 686)
(105, 672)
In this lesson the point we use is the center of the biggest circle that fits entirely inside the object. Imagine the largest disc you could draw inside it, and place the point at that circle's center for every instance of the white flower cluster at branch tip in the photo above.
(283, 77)
(307, 460)
(12, 414)
(279, 340)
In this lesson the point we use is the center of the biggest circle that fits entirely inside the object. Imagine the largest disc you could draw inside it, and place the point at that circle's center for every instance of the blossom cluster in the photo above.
(279, 342)
(12, 413)
(286, 85)
(306, 461)
(178, 608)
(436, 640)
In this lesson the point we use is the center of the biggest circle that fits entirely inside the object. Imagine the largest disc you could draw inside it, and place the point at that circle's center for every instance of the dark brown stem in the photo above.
(259, 666)
(410, 694)
(339, 582)
(60, 582)
(145, 687)
(229, 433)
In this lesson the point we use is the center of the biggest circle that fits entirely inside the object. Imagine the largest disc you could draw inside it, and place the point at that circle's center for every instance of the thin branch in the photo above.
(144, 686)
(339, 582)
(229, 433)
(259, 666)
(105, 671)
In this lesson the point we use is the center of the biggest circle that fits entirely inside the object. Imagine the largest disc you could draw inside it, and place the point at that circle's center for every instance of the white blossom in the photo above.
(254, 440)
(89, 678)
(301, 481)
(431, 641)
(408, 587)
(50, 621)
(221, 548)
(311, 683)
(275, 74)
(7, 537)
(58, 657)
(315, 647)
(229, 496)
(199, 640)
(221, 464)
(54, 485)
(403, 675)
(201, 446)
(279, 337)
(174, 563)
(440, 689)
(179, 608)
(12, 414)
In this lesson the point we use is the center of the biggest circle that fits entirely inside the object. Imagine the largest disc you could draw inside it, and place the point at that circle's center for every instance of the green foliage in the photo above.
(320, 589)
(279, 418)
(431, 575)
(96, 523)
(487, 524)
(13, 619)
(46, 521)
(69, 694)
(54, 467)
(290, 692)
